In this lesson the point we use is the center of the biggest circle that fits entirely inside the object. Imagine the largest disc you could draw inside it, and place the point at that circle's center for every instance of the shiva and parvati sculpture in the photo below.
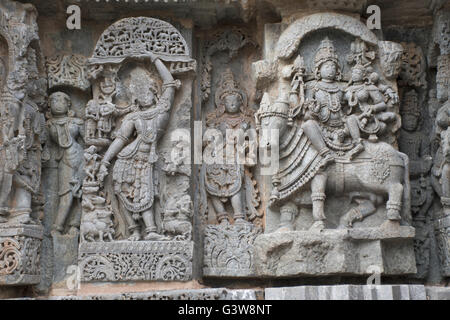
(337, 120)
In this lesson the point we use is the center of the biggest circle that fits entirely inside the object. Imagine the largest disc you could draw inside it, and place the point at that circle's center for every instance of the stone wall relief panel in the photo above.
(229, 186)
(63, 168)
(341, 186)
(440, 171)
(23, 102)
(136, 209)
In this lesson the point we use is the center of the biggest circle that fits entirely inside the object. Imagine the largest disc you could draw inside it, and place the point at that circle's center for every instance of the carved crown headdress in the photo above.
(410, 104)
(229, 86)
(326, 52)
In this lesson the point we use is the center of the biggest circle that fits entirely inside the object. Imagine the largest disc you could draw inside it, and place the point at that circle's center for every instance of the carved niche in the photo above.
(137, 211)
(339, 185)
(230, 200)
(22, 102)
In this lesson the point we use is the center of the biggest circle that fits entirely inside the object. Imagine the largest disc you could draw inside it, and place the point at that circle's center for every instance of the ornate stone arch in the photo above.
(290, 39)
(138, 36)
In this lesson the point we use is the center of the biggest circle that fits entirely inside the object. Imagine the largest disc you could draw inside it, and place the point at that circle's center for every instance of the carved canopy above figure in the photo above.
(293, 35)
(137, 37)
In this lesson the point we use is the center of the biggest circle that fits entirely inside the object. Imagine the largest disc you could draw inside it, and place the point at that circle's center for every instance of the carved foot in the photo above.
(135, 236)
(21, 219)
(390, 224)
(73, 231)
(284, 229)
(356, 150)
(224, 222)
(351, 216)
(153, 236)
(240, 221)
(317, 226)
(327, 160)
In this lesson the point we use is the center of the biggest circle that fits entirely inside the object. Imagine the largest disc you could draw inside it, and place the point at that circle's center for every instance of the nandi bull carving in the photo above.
(324, 149)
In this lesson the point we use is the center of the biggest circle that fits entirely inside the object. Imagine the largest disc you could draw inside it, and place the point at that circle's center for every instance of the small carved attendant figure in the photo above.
(177, 217)
(65, 130)
(371, 102)
(226, 177)
(133, 169)
(326, 125)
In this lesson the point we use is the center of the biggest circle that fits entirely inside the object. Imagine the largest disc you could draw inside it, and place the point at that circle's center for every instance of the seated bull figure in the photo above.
(326, 154)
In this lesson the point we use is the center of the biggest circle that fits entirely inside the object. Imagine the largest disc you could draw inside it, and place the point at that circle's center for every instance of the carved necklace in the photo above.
(333, 102)
(62, 128)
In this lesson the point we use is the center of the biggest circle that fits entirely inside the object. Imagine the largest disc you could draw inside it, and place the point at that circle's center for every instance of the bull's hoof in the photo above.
(393, 215)
(390, 224)
(317, 226)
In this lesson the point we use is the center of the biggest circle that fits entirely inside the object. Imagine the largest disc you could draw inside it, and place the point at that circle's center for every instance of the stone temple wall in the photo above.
(224, 149)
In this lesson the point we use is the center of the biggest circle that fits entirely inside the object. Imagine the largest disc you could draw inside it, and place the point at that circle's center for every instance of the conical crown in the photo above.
(228, 86)
(325, 52)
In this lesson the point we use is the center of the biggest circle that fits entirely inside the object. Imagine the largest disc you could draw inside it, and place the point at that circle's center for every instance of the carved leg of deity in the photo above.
(132, 226)
(65, 203)
(5, 190)
(148, 217)
(21, 213)
(318, 185)
(353, 128)
(314, 134)
(221, 214)
(236, 203)
(288, 212)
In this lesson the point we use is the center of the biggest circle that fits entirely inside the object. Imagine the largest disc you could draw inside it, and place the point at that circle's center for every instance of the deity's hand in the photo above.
(152, 56)
(393, 96)
(102, 172)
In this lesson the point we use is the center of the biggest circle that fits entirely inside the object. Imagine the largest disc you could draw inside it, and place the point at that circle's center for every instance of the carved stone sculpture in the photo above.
(227, 177)
(21, 136)
(136, 185)
(66, 132)
(334, 143)
(415, 144)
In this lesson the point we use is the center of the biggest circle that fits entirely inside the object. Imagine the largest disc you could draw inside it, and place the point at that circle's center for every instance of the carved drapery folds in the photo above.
(230, 198)
(22, 105)
(338, 166)
(136, 185)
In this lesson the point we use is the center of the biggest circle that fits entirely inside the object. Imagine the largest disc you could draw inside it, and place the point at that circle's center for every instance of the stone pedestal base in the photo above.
(136, 261)
(186, 294)
(65, 254)
(20, 249)
(348, 292)
(386, 251)
(229, 251)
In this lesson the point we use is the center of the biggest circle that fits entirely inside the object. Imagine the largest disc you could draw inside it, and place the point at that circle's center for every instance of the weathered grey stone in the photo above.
(437, 293)
(229, 251)
(332, 252)
(187, 294)
(20, 249)
(347, 292)
(137, 260)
